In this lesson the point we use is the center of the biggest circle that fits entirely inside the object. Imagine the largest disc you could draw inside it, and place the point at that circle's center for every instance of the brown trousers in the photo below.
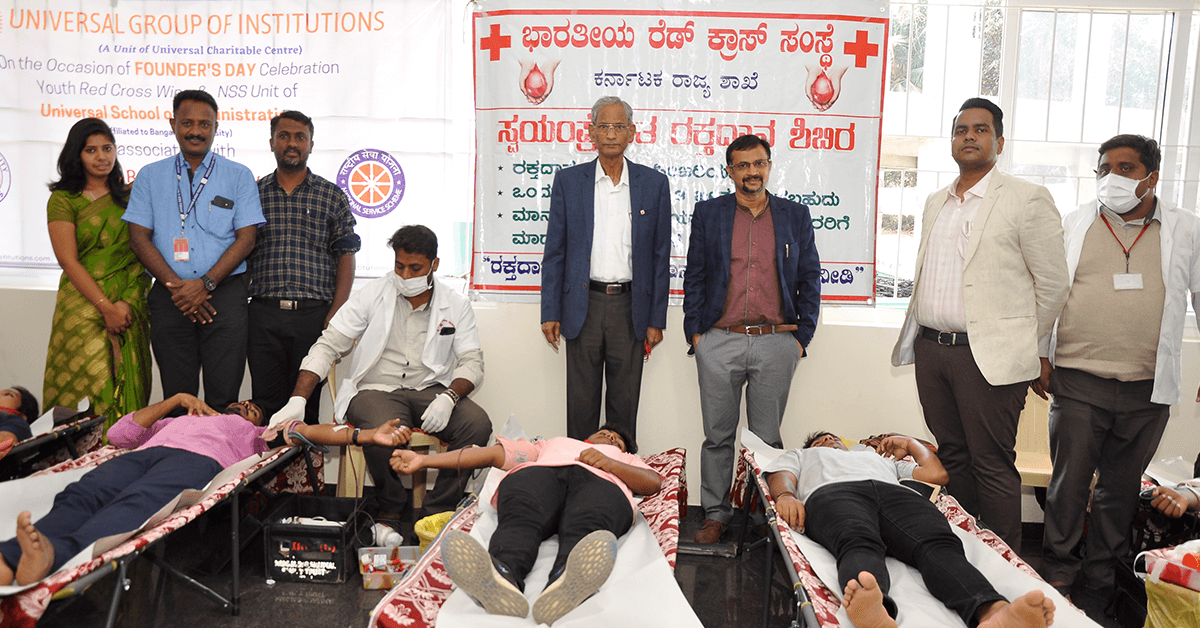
(975, 425)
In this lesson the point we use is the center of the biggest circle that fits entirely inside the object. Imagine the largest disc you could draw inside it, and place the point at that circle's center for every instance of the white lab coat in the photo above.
(1179, 239)
(368, 316)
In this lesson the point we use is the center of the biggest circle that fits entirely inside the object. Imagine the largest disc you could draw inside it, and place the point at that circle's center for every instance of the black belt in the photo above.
(292, 304)
(946, 338)
(610, 288)
(759, 330)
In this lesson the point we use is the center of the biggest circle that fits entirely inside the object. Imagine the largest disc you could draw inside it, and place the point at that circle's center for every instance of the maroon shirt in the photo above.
(753, 296)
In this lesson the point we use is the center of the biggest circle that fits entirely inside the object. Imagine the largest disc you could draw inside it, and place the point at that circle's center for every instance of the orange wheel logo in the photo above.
(370, 183)
(374, 182)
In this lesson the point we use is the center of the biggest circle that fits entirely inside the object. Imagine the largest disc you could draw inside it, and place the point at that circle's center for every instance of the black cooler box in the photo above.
(313, 539)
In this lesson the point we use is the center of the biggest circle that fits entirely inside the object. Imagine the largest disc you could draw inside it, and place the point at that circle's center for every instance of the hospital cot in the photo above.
(815, 605)
(292, 469)
(65, 442)
(417, 599)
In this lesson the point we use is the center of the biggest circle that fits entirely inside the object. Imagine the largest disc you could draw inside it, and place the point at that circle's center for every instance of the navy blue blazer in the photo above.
(566, 263)
(709, 249)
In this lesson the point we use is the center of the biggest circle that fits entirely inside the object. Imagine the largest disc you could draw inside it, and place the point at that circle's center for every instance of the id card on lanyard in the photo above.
(182, 251)
(1126, 280)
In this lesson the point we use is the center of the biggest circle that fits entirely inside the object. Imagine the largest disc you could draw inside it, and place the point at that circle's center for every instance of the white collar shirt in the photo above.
(400, 365)
(939, 299)
(612, 231)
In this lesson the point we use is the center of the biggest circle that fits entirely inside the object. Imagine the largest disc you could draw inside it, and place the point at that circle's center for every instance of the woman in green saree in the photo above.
(99, 340)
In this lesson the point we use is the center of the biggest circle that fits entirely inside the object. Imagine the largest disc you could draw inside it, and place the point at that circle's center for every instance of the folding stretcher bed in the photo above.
(292, 469)
(416, 601)
(816, 605)
(64, 442)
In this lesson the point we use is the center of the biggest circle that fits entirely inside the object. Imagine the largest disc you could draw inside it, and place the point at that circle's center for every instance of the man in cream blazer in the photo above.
(991, 279)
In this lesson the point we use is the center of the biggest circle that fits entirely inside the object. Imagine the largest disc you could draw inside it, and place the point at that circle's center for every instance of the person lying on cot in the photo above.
(170, 455)
(1173, 502)
(852, 503)
(18, 408)
(581, 490)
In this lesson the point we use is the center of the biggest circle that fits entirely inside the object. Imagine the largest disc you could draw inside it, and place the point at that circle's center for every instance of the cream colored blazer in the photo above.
(1014, 278)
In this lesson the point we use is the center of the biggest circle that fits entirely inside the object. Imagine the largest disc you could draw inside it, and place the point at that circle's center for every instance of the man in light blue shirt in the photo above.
(192, 221)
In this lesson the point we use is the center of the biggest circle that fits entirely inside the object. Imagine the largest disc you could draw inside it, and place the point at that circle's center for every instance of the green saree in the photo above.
(83, 361)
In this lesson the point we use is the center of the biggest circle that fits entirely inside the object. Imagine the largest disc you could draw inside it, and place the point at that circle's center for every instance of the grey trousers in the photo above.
(1096, 425)
(725, 363)
(975, 425)
(606, 355)
(469, 425)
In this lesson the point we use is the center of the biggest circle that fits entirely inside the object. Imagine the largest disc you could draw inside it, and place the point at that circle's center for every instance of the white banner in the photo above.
(811, 84)
(375, 76)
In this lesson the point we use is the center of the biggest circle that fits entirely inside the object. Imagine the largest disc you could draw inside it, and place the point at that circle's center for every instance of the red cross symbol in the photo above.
(495, 41)
(861, 49)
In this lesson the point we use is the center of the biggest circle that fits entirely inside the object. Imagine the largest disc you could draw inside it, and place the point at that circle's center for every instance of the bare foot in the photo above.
(864, 603)
(6, 573)
(1032, 610)
(37, 555)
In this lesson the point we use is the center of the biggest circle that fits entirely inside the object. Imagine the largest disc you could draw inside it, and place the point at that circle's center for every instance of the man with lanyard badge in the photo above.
(1117, 366)
(198, 302)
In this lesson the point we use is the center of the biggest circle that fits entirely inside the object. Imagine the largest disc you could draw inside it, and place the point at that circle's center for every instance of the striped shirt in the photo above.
(939, 304)
(296, 254)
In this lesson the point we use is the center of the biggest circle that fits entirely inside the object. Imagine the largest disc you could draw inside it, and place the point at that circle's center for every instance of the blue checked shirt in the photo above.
(210, 229)
(297, 251)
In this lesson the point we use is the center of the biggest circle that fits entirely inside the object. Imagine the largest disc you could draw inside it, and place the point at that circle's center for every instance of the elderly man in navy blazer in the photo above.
(751, 295)
(605, 272)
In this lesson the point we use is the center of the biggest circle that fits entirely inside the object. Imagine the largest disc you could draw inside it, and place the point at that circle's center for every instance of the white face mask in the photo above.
(413, 286)
(1119, 193)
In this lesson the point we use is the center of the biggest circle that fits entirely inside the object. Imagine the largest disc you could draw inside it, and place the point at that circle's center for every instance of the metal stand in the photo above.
(804, 616)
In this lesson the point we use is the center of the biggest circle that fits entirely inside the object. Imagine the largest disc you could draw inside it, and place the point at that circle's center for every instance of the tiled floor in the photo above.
(723, 591)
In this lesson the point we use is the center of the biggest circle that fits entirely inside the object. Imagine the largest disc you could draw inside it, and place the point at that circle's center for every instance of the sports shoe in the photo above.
(588, 566)
(710, 532)
(471, 568)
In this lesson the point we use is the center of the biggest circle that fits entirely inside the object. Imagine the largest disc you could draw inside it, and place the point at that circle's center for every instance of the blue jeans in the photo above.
(117, 496)
(862, 522)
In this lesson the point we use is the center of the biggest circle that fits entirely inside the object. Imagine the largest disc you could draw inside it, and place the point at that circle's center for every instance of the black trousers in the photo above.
(862, 522)
(183, 348)
(606, 355)
(536, 503)
(278, 341)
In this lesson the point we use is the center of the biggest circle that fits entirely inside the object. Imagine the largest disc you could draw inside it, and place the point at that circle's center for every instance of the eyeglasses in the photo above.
(745, 165)
(605, 128)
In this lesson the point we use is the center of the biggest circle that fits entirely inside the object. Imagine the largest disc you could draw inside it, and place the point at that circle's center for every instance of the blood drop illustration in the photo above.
(822, 89)
(535, 83)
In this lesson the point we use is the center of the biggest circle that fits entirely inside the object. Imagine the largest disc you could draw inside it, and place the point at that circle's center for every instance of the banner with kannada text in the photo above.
(809, 82)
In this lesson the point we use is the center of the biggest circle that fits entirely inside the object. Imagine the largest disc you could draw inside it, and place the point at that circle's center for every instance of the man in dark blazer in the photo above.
(605, 272)
(751, 295)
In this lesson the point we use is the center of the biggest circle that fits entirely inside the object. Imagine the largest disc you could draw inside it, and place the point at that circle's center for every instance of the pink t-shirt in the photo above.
(563, 451)
(226, 438)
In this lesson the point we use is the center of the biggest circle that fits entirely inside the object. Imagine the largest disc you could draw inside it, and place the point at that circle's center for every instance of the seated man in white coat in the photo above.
(418, 358)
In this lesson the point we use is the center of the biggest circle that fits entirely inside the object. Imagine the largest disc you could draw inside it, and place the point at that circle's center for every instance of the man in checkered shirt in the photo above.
(302, 266)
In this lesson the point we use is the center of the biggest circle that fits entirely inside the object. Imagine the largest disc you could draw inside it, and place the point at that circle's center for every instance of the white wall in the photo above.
(847, 384)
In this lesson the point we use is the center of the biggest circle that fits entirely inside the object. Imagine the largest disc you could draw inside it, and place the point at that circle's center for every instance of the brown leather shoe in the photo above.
(710, 532)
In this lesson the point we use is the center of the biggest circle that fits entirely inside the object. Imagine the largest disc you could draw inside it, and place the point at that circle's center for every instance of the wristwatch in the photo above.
(209, 284)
